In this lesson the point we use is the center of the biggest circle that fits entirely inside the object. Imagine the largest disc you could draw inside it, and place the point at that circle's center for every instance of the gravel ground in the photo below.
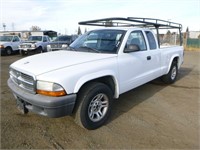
(151, 116)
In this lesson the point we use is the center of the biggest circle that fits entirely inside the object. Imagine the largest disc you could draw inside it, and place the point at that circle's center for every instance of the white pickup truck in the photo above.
(35, 44)
(9, 44)
(84, 79)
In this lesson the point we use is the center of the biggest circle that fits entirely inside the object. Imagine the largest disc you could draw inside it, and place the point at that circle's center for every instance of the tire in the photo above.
(95, 105)
(22, 53)
(172, 74)
(39, 50)
(8, 51)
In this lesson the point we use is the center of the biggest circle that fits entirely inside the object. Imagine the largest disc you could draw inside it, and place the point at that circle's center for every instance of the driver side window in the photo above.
(44, 39)
(137, 38)
(15, 39)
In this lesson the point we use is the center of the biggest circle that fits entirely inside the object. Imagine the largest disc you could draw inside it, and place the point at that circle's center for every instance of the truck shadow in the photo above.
(129, 100)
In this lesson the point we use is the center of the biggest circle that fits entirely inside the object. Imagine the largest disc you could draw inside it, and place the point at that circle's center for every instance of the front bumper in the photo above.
(27, 49)
(54, 49)
(3, 50)
(44, 105)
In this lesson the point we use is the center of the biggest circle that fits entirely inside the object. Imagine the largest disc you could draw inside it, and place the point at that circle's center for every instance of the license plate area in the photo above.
(21, 106)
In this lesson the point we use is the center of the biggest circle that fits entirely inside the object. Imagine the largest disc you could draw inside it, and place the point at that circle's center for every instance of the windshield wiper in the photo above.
(71, 48)
(89, 48)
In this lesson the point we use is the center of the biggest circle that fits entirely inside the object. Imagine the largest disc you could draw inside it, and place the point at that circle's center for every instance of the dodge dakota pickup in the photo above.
(95, 69)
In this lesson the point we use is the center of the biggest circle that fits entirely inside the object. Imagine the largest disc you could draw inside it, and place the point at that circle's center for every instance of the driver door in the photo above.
(15, 42)
(134, 66)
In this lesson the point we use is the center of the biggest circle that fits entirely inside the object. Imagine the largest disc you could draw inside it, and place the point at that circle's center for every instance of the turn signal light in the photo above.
(52, 93)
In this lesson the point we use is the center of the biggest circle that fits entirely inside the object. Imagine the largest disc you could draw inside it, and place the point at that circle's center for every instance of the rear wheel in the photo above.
(172, 74)
(95, 105)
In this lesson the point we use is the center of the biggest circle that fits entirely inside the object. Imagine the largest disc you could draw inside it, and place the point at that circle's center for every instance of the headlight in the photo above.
(1, 46)
(33, 45)
(49, 48)
(64, 46)
(50, 89)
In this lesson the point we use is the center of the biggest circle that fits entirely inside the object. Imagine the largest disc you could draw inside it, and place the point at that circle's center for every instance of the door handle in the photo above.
(148, 57)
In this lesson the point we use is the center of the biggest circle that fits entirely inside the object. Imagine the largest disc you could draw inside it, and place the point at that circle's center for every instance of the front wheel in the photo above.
(95, 105)
(39, 50)
(172, 74)
(8, 51)
(22, 52)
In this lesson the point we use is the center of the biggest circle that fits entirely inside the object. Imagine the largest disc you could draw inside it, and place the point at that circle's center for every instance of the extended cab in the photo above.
(9, 44)
(96, 68)
(36, 44)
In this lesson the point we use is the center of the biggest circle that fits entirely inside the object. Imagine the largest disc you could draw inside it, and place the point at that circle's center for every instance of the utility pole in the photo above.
(13, 26)
(4, 26)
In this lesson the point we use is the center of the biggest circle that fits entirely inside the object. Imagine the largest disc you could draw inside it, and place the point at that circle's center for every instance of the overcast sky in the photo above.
(63, 15)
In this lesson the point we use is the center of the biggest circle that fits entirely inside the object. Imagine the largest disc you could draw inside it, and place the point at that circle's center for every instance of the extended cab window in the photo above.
(137, 38)
(151, 40)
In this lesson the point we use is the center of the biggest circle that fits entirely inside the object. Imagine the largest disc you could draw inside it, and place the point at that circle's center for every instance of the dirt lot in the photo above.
(151, 116)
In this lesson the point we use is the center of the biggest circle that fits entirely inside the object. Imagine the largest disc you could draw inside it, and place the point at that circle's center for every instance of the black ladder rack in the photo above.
(132, 22)
(135, 22)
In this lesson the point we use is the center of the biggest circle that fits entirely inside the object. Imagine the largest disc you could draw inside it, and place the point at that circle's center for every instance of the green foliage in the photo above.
(79, 31)
(35, 28)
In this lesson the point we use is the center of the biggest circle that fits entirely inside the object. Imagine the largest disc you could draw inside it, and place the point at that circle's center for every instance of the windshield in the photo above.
(104, 41)
(35, 38)
(6, 38)
(62, 38)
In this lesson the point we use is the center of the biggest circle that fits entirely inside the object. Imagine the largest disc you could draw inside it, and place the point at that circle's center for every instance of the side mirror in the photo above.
(132, 48)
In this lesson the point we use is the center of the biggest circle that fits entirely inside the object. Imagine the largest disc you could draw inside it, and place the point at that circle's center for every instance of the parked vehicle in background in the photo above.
(95, 69)
(61, 42)
(9, 44)
(34, 44)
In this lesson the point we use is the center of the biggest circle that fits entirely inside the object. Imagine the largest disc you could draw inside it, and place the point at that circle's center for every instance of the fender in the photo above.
(89, 77)
(171, 60)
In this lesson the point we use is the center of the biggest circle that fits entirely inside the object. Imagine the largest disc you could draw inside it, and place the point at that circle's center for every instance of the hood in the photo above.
(42, 63)
(2, 43)
(29, 42)
(59, 42)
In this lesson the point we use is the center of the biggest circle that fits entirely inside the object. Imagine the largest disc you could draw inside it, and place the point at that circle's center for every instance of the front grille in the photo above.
(24, 81)
(26, 46)
(56, 45)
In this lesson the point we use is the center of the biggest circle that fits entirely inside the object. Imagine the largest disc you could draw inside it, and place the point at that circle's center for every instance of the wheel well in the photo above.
(108, 80)
(9, 47)
(40, 47)
(176, 59)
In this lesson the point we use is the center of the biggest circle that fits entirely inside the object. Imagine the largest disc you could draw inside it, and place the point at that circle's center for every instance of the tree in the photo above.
(35, 28)
(167, 37)
(85, 30)
(168, 32)
(79, 31)
(187, 33)
(187, 30)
